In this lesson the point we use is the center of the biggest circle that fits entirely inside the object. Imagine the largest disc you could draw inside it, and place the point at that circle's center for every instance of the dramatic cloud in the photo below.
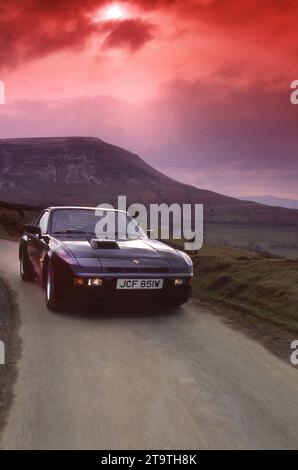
(36, 28)
(212, 89)
(130, 34)
(33, 28)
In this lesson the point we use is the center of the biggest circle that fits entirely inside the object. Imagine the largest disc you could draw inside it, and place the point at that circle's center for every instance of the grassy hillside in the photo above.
(263, 286)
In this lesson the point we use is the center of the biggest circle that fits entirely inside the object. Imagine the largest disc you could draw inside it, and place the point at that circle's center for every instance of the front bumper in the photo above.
(107, 293)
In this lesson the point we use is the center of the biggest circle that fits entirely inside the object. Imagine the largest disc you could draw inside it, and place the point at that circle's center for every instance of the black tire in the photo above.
(52, 300)
(26, 269)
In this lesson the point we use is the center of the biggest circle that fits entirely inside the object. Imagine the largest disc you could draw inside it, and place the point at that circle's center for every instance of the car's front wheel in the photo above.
(26, 269)
(52, 300)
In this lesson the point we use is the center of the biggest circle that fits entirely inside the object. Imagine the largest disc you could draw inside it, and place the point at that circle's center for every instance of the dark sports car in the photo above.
(76, 258)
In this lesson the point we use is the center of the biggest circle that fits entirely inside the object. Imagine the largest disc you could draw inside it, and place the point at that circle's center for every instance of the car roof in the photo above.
(89, 208)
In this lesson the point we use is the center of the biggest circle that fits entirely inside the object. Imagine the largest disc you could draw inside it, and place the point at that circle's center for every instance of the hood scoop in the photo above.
(104, 244)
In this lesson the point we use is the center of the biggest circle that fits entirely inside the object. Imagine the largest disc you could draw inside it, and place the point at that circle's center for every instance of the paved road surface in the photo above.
(124, 379)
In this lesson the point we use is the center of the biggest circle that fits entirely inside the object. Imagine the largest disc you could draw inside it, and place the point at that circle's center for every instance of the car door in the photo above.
(37, 246)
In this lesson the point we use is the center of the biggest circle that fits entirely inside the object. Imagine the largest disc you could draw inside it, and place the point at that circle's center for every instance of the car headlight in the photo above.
(95, 282)
(91, 282)
(179, 282)
(187, 260)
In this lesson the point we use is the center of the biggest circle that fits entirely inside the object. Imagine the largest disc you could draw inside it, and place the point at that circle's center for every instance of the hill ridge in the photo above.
(75, 170)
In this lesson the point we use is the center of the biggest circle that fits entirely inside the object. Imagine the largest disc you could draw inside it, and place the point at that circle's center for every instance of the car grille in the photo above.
(135, 270)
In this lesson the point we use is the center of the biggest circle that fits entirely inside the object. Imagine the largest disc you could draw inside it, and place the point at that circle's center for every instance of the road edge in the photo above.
(9, 333)
(274, 338)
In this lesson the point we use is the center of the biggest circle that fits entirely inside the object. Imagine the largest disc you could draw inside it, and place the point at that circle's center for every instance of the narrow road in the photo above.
(140, 379)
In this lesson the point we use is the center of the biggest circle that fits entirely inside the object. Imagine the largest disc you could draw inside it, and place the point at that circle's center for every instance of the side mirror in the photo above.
(150, 232)
(33, 229)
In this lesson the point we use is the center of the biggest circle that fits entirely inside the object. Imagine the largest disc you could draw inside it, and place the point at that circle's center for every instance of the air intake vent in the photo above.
(104, 244)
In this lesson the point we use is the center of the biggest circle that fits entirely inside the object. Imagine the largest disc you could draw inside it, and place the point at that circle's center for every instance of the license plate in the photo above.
(139, 283)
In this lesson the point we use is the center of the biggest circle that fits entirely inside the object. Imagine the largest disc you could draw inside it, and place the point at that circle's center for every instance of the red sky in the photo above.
(199, 88)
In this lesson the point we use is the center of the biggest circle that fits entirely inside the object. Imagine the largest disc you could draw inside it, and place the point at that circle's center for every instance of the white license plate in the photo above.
(139, 283)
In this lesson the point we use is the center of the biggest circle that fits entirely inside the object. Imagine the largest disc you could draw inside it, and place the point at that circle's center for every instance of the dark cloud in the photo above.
(36, 28)
(130, 34)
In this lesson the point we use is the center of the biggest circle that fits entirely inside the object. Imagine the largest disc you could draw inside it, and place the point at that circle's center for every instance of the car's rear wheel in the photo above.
(52, 301)
(26, 269)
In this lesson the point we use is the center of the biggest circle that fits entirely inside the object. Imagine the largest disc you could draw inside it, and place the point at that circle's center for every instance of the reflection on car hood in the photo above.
(147, 252)
(141, 247)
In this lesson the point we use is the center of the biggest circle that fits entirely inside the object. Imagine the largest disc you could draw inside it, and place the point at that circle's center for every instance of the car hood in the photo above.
(147, 253)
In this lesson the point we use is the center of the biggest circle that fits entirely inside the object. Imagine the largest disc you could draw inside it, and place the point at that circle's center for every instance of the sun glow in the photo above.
(114, 12)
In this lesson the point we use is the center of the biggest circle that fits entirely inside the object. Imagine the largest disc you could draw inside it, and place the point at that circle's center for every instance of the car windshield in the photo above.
(99, 223)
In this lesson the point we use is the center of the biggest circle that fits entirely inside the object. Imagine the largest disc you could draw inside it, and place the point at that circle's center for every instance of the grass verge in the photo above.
(251, 283)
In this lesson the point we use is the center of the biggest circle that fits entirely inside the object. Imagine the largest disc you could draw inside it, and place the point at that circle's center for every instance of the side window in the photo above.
(43, 222)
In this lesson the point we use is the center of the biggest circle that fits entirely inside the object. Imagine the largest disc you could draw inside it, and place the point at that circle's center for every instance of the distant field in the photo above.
(280, 241)
(263, 286)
